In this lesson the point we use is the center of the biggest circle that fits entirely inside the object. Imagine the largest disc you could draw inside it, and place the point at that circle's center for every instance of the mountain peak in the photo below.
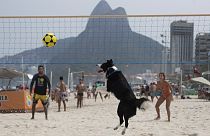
(118, 11)
(108, 24)
(102, 8)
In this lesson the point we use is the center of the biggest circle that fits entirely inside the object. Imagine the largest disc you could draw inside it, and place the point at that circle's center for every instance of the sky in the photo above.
(84, 7)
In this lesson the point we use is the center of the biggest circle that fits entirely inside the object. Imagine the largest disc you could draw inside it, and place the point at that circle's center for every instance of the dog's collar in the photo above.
(110, 71)
(115, 68)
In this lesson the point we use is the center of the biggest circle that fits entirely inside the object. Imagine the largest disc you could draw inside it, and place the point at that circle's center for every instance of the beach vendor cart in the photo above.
(15, 97)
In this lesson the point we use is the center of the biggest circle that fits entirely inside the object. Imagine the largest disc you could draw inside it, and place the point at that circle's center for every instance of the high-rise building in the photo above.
(165, 59)
(202, 50)
(181, 46)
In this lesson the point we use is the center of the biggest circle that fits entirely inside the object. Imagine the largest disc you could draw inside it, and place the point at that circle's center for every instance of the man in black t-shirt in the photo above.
(42, 83)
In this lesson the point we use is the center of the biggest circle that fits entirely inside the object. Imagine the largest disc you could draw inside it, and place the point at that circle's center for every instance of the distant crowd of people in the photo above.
(204, 93)
(152, 91)
(60, 94)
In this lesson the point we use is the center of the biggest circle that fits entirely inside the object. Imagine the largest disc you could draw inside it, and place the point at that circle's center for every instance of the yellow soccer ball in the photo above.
(49, 40)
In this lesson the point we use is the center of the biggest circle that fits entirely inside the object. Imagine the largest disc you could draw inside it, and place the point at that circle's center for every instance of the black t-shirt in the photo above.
(41, 83)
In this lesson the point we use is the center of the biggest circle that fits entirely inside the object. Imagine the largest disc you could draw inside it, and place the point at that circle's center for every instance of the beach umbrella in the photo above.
(9, 73)
(206, 73)
(183, 86)
(138, 77)
(201, 80)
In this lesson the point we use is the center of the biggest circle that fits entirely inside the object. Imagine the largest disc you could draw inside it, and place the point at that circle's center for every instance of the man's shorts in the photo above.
(43, 98)
(62, 96)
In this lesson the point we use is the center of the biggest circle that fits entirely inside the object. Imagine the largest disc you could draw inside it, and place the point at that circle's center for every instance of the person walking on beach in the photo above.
(88, 93)
(154, 92)
(81, 88)
(166, 88)
(62, 94)
(142, 91)
(42, 83)
(147, 92)
(98, 91)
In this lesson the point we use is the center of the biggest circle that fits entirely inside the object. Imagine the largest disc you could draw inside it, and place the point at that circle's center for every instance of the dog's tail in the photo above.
(141, 103)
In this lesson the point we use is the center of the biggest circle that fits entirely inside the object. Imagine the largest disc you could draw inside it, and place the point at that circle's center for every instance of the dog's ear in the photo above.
(110, 62)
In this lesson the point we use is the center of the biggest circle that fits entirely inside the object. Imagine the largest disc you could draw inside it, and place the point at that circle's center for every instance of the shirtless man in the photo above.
(81, 88)
(62, 94)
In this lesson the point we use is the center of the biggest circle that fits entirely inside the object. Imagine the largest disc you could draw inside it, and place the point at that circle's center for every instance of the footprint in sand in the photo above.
(147, 134)
(6, 126)
(108, 127)
(193, 134)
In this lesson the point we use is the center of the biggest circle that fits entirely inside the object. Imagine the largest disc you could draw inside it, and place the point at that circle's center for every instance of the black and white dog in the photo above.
(118, 85)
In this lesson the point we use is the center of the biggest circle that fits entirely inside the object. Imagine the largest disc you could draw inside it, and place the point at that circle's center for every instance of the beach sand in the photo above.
(189, 117)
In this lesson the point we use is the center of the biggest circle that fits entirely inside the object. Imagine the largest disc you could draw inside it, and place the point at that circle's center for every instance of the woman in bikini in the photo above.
(166, 88)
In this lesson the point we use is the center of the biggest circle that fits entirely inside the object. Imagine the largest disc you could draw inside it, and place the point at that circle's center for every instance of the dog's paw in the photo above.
(123, 132)
(117, 127)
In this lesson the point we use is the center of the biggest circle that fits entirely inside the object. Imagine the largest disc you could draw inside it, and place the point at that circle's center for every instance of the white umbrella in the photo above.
(138, 77)
(206, 73)
(183, 86)
(7, 73)
(201, 80)
(30, 76)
